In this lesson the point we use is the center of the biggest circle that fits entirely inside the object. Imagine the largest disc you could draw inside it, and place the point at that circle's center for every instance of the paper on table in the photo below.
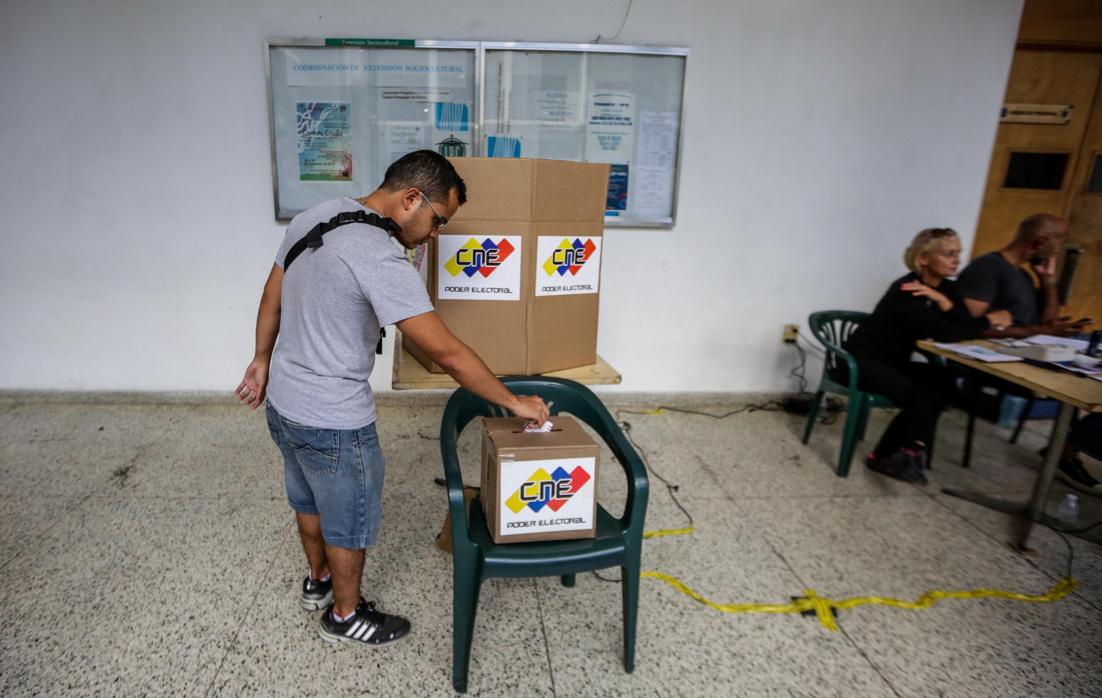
(1069, 366)
(1080, 345)
(976, 352)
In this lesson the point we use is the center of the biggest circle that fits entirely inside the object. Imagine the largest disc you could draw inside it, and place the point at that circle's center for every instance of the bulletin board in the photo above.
(341, 110)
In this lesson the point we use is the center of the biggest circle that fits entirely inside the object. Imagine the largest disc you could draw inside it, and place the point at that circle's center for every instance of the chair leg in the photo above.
(465, 608)
(568, 580)
(849, 436)
(866, 409)
(1021, 420)
(812, 415)
(629, 576)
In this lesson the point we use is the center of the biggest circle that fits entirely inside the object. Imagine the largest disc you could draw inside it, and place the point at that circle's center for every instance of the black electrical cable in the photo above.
(1071, 550)
(1075, 531)
(673, 489)
(800, 371)
(622, 23)
(771, 406)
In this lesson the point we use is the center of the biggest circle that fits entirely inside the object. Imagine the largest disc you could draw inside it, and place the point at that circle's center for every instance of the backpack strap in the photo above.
(312, 239)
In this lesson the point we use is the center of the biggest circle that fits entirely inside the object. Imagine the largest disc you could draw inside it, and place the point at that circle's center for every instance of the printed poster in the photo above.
(479, 267)
(451, 129)
(499, 146)
(542, 496)
(567, 265)
(610, 138)
(617, 198)
(324, 141)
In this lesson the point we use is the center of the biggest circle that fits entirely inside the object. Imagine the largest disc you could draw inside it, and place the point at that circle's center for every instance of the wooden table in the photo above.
(1072, 390)
(409, 374)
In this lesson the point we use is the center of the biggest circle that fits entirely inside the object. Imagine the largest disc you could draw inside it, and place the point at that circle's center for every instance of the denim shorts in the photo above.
(334, 473)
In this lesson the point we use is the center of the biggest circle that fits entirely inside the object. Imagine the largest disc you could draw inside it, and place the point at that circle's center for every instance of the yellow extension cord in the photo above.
(822, 606)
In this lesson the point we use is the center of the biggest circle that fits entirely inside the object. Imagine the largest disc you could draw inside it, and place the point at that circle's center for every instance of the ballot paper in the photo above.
(978, 353)
(1095, 372)
(1080, 345)
(532, 427)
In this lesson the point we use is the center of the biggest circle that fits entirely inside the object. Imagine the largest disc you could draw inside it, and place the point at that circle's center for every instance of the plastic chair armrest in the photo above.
(453, 479)
(634, 469)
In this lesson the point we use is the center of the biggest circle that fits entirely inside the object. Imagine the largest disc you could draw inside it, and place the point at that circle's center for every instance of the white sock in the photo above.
(339, 619)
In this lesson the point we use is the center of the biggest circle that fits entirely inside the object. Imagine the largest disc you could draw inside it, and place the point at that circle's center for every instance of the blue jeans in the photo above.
(336, 474)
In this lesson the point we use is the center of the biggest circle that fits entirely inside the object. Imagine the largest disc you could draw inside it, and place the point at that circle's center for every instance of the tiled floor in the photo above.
(147, 549)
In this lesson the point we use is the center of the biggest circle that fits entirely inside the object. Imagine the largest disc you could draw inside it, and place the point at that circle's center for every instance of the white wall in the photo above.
(136, 205)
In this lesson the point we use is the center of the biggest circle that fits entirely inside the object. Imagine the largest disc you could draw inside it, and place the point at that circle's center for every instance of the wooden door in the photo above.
(1043, 167)
(1085, 217)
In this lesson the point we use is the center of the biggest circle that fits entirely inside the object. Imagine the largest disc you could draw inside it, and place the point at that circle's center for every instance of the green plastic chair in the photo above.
(832, 328)
(476, 557)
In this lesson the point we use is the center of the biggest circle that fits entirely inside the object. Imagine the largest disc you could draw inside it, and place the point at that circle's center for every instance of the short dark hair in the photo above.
(428, 171)
(1035, 226)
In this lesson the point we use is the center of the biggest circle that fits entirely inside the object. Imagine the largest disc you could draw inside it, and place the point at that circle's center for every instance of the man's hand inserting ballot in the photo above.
(531, 407)
(462, 364)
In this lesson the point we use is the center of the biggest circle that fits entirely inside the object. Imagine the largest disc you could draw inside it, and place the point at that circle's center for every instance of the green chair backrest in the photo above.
(832, 328)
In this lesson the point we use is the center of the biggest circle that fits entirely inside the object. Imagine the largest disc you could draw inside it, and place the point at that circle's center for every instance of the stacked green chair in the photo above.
(476, 557)
(832, 328)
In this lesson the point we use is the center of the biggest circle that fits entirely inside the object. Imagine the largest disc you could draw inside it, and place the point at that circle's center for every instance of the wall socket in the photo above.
(791, 333)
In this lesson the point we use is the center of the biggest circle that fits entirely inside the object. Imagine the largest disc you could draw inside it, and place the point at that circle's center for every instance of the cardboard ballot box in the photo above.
(538, 486)
(516, 273)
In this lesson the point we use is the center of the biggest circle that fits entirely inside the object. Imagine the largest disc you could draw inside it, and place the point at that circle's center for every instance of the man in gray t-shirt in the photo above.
(999, 281)
(327, 303)
(334, 304)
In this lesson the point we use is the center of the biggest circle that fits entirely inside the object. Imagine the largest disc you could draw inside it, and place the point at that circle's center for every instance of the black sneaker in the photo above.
(1072, 472)
(899, 466)
(316, 595)
(368, 626)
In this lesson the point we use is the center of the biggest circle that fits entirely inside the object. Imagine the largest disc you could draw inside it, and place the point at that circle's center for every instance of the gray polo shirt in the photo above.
(992, 279)
(335, 299)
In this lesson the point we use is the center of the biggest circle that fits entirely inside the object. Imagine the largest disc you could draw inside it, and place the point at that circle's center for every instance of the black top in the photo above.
(992, 279)
(901, 319)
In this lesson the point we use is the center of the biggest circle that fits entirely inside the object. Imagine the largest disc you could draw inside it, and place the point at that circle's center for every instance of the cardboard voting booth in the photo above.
(516, 273)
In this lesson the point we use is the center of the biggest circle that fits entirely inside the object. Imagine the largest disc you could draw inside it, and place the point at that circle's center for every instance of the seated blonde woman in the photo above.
(924, 304)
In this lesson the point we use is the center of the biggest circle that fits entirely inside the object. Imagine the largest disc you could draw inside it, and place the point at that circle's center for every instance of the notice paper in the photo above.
(654, 174)
(1095, 372)
(1080, 345)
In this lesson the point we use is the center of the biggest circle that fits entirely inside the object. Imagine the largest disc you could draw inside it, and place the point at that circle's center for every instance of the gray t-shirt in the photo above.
(335, 298)
(992, 279)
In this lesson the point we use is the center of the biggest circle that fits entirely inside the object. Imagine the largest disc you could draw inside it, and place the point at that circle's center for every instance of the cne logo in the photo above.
(543, 490)
(569, 257)
(479, 258)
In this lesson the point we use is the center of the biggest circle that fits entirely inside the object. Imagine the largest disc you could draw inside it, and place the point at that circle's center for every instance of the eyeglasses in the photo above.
(438, 221)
